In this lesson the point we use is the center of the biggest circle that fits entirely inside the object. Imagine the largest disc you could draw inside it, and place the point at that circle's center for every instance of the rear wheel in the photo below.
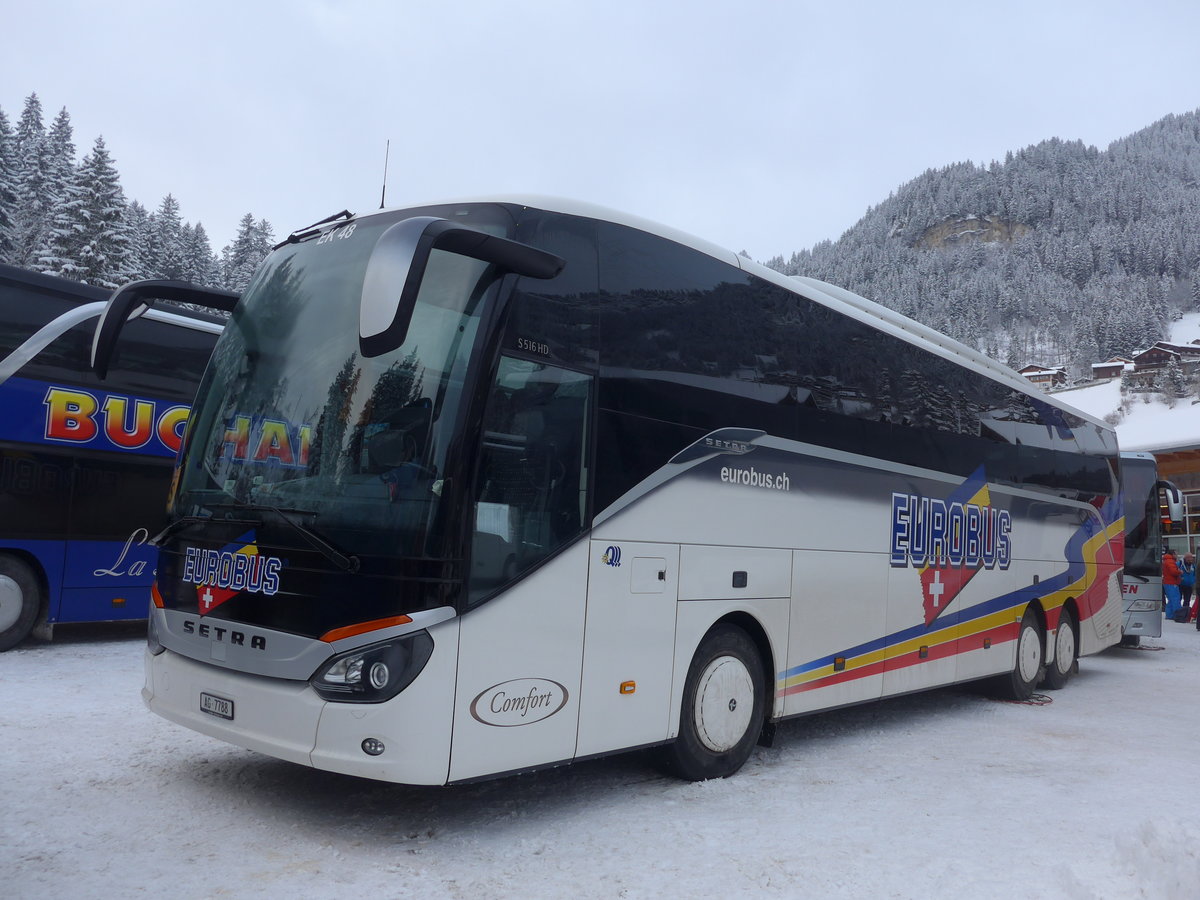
(1027, 670)
(723, 707)
(1066, 651)
(20, 601)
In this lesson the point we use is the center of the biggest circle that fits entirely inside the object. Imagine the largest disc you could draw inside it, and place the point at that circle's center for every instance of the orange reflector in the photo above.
(628, 687)
(363, 627)
(118, 601)
(155, 595)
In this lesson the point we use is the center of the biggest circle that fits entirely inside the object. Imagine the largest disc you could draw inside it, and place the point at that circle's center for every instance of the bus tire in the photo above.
(20, 601)
(1019, 684)
(1066, 651)
(723, 707)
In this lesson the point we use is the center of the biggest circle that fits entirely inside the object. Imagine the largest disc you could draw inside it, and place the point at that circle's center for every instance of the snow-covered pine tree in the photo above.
(33, 195)
(8, 188)
(251, 245)
(1175, 384)
(138, 221)
(266, 236)
(166, 241)
(239, 259)
(199, 264)
(106, 252)
(62, 240)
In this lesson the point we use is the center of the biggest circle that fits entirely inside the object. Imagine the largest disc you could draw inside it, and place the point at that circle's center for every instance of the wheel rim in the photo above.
(724, 703)
(1064, 647)
(11, 601)
(1029, 655)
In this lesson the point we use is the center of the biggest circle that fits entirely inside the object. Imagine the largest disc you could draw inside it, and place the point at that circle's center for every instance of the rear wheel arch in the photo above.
(1065, 639)
(755, 631)
(1029, 657)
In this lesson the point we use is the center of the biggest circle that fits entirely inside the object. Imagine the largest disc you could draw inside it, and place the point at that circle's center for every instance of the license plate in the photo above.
(216, 706)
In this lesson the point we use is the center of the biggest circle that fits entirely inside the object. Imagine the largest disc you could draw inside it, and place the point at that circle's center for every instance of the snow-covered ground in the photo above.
(1147, 426)
(945, 794)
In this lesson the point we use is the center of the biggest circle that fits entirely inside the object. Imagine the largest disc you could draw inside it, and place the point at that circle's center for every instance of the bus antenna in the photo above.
(386, 150)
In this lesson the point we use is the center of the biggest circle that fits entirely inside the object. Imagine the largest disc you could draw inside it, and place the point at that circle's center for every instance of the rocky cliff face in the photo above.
(956, 231)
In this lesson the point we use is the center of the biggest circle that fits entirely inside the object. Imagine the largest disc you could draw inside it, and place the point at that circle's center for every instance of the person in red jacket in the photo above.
(1170, 577)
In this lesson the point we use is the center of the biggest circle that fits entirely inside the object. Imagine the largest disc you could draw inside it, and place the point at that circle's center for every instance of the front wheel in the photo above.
(1066, 651)
(723, 707)
(20, 601)
(1027, 670)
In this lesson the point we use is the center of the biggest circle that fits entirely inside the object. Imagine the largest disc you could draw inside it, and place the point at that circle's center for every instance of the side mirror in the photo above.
(135, 298)
(397, 267)
(1170, 500)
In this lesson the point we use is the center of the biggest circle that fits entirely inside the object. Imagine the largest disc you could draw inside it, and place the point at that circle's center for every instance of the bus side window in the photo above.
(531, 495)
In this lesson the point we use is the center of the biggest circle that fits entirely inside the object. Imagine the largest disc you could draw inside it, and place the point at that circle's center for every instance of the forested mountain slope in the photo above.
(1061, 255)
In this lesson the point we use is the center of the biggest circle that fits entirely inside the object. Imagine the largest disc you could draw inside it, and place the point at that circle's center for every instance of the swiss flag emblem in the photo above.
(210, 596)
(940, 584)
(939, 587)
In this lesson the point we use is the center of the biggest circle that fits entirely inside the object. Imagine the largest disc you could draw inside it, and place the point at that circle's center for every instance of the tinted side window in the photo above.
(533, 474)
(29, 301)
(556, 319)
(114, 496)
(35, 492)
(690, 340)
(160, 360)
(152, 358)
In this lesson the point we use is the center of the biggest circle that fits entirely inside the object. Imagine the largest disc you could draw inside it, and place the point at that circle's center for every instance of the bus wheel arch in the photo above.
(1066, 648)
(758, 634)
(1030, 658)
(724, 705)
(22, 599)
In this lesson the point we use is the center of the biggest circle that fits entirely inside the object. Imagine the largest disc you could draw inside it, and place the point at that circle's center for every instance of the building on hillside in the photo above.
(1112, 367)
(1045, 377)
(1150, 362)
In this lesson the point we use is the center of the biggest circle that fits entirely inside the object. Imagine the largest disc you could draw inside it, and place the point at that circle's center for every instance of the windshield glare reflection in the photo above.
(292, 416)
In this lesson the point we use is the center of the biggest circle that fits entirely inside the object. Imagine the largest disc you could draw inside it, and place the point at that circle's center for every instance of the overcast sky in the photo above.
(758, 125)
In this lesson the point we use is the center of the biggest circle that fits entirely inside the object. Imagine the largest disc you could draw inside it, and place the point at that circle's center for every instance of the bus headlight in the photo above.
(1143, 606)
(374, 673)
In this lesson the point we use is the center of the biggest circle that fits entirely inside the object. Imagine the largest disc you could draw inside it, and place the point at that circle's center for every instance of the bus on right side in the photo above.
(1151, 506)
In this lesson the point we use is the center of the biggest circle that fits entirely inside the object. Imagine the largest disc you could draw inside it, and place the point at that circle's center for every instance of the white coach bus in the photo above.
(481, 487)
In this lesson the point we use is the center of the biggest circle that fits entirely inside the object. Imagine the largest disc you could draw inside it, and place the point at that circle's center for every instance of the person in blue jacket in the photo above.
(1187, 583)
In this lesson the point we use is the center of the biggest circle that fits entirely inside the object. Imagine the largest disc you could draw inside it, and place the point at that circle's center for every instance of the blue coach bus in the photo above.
(85, 464)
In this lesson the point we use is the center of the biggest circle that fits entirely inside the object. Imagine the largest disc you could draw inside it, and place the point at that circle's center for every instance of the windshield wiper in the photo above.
(348, 563)
(303, 234)
(177, 525)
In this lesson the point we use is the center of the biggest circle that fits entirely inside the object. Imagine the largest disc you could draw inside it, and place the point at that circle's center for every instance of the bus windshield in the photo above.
(293, 417)
(1139, 478)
